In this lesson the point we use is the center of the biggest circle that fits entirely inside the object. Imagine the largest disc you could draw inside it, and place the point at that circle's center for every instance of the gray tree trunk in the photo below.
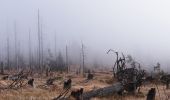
(106, 91)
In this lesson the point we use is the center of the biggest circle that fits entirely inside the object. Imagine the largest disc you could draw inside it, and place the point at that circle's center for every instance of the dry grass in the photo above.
(41, 92)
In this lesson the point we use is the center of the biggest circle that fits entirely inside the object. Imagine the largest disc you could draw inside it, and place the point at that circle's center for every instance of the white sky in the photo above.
(137, 27)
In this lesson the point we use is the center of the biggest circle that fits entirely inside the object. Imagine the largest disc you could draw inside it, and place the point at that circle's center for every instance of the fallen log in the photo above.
(106, 91)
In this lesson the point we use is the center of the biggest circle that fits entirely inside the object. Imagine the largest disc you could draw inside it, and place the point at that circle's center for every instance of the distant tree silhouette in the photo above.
(57, 64)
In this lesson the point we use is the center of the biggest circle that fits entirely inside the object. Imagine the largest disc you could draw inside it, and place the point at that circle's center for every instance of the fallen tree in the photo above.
(106, 91)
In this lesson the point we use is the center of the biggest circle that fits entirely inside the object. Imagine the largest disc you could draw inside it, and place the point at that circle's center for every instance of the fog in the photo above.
(139, 28)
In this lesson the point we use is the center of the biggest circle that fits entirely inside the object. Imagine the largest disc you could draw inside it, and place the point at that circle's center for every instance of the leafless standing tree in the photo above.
(16, 47)
(42, 49)
(39, 42)
(30, 53)
(80, 68)
(83, 58)
(67, 65)
(2, 68)
(8, 52)
(55, 45)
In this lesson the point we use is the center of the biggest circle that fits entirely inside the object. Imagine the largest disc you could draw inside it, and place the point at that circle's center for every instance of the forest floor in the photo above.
(43, 92)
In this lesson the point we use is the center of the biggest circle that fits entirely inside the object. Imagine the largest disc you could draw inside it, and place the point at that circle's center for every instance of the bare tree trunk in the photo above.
(106, 91)
(16, 47)
(30, 54)
(47, 72)
(20, 57)
(39, 42)
(83, 55)
(8, 53)
(40, 45)
(42, 49)
(2, 68)
(67, 60)
(80, 64)
(55, 40)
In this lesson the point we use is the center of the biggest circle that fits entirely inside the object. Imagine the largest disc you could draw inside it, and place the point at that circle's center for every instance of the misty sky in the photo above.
(137, 27)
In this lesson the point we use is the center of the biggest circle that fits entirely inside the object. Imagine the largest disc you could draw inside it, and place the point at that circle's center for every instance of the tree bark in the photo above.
(2, 68)
(106, 91)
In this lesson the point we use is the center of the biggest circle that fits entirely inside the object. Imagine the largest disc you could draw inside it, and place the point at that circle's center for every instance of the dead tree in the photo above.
(39, 44)
(90, 76)
(106, 91)
(78, 94)
(47, 71)
(116, 63)
(2, 68)
(127, 84)
(42, 47)
(151, 94)
(131, 78)
(16, 48)
(5, 77)
(62, 95)
(67, 84)
(18, 80)
(119, 64)
(165, 79)
(21, 62)
(30, 51)
(157, 68)
(80, 67)
(31, 82)
(55, 46)
(8, 53)
(50, 81)
(64, 92)
(67, 65)
(83, 58)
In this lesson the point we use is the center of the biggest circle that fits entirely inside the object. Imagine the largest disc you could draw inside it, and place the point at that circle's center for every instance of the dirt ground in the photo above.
(43, 92)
